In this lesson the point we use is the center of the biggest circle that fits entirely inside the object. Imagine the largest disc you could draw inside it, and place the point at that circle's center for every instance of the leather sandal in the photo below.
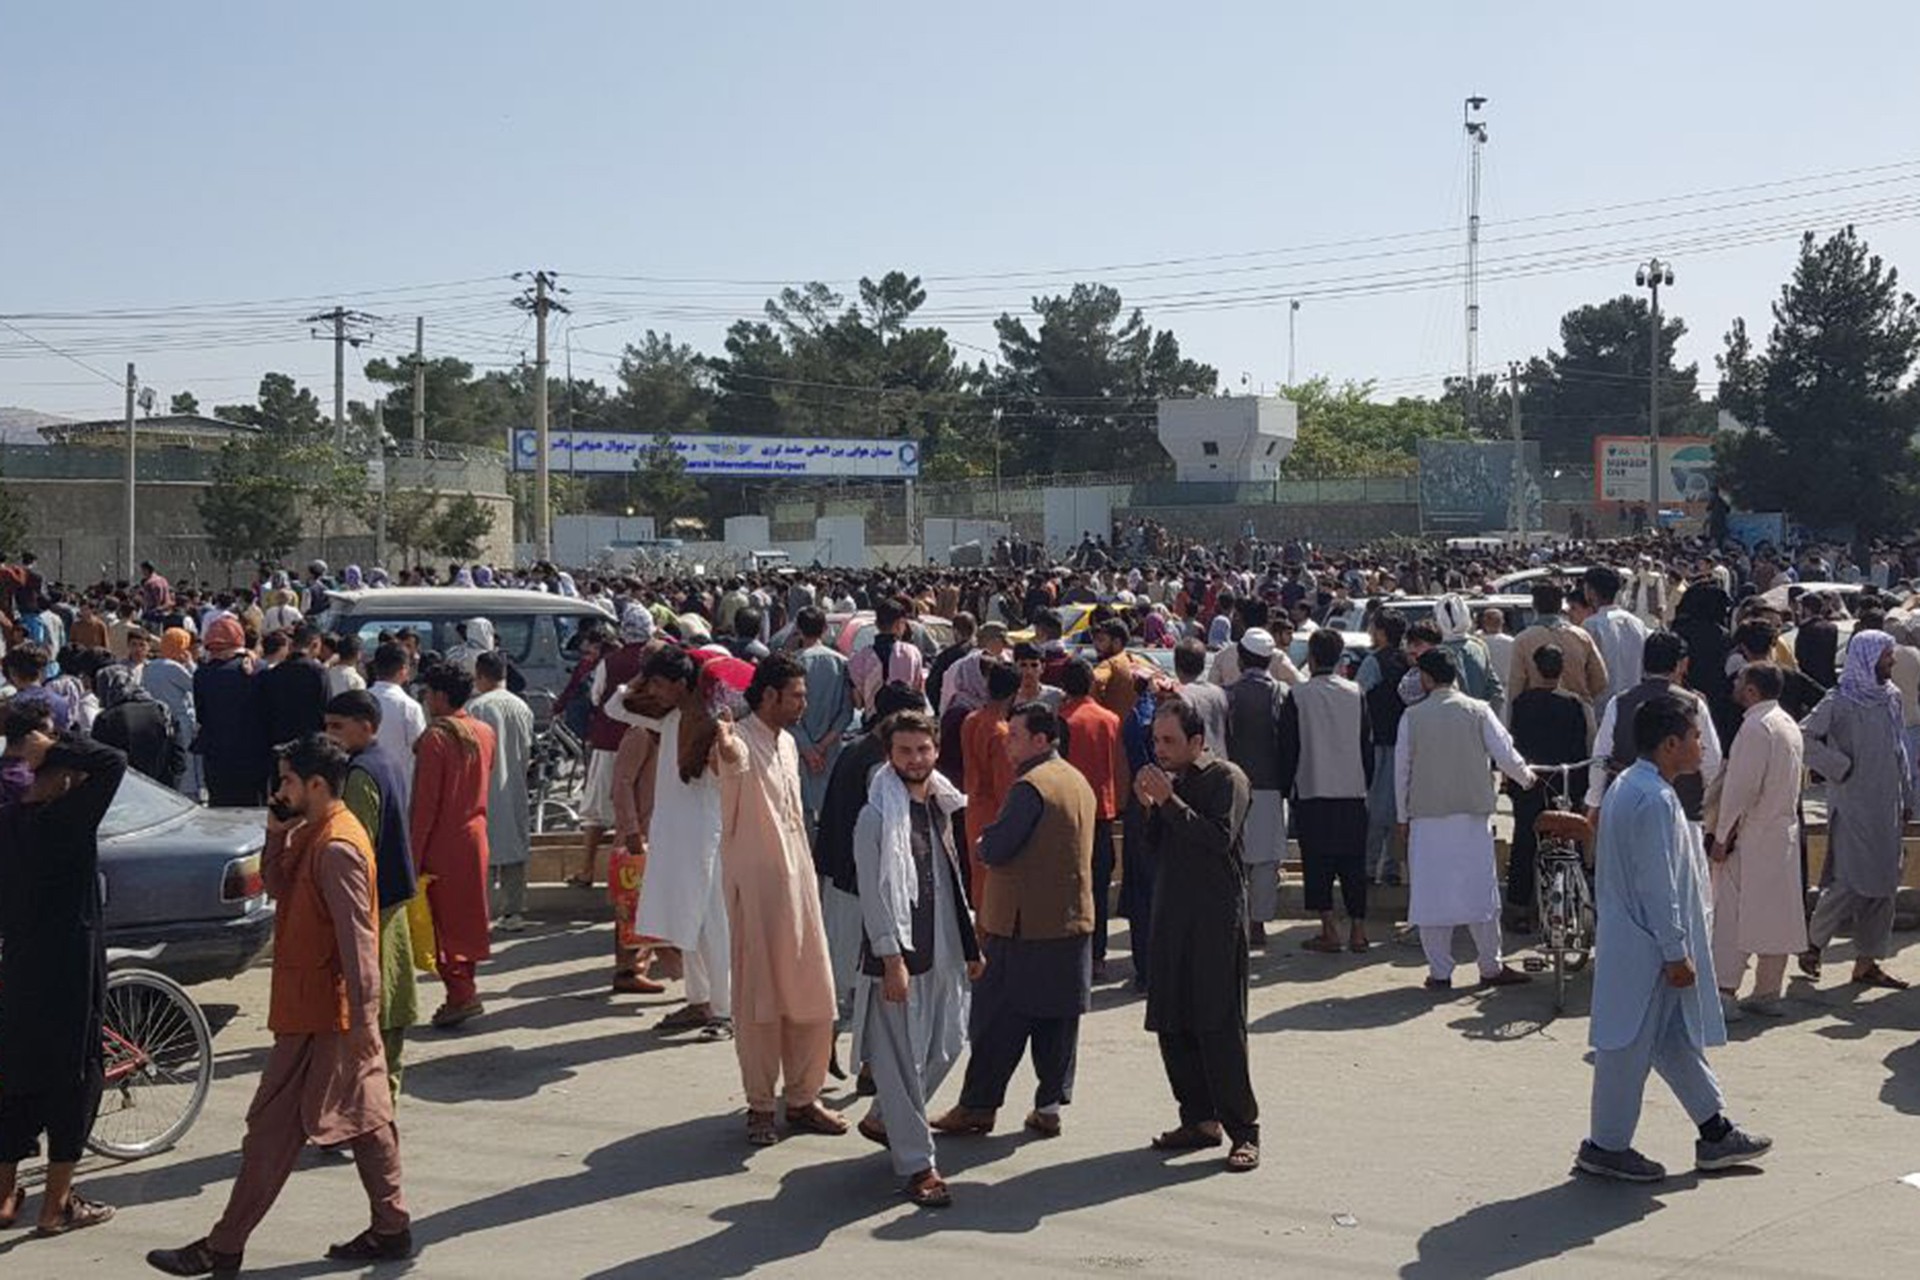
(814, 1118)
(873, 1131)
(963, 1120)
(1045, 1124)
(79, 1214)
(1244, 1158)
(686, 1018)
(761, 1131)
(630, 983)
(1188, 1137)
(928, 1190)
(1880, 978)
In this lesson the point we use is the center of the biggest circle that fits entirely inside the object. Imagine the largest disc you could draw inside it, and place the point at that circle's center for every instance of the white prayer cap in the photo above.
(1257, 641)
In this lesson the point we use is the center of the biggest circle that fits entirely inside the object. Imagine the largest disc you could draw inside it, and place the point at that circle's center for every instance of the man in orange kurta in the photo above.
(783, 998)
(326, 1077)
(453, 764)
(987, 769)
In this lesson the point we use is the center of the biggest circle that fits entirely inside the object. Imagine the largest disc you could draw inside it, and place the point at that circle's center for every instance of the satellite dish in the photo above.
(146, 400)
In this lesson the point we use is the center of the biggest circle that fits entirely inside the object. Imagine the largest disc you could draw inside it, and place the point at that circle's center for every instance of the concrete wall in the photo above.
(1332, 525)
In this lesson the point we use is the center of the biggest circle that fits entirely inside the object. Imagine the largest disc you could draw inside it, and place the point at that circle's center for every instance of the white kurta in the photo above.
(683, 846)
(1450, 857)
(1758, 905)
(1266, 829)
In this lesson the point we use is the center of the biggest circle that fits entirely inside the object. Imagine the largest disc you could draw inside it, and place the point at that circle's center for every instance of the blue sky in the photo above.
(257, 162)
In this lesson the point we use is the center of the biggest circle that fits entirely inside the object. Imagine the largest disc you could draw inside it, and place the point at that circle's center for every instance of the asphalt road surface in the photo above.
(1404, 1135)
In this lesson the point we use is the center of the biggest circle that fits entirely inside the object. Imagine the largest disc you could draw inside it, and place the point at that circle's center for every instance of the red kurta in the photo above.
(449, 834)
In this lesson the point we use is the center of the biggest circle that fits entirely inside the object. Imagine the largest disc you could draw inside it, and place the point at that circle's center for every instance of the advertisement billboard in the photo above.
(1686, 470)
(1466, 486)
(600, 452)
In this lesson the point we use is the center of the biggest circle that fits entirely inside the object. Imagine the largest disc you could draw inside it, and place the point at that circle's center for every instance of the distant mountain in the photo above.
(22, 426)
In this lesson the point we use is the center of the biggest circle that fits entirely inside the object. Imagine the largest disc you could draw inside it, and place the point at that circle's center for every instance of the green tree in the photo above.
(283, 410)
(183, 402)
(1078, 391)
(251, 507)
(15, 525)
(460, 528)
(1596, 384)
(1344, 432)
(410, 520)
(1830, 416)
(661, 486)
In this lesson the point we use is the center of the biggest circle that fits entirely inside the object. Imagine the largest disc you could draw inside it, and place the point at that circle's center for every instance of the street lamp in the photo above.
(1651, 275)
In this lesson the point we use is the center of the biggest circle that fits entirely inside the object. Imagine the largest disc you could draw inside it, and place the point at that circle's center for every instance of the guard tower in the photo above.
(1237, 438)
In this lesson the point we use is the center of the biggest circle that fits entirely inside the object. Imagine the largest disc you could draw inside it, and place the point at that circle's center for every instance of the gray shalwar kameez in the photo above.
(1869, 792)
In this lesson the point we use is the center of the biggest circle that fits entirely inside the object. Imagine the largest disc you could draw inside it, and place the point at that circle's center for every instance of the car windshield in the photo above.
(142, 803)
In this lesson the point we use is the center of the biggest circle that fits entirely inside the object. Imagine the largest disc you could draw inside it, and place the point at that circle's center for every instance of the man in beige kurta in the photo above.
(1758, 905)
(783, 997)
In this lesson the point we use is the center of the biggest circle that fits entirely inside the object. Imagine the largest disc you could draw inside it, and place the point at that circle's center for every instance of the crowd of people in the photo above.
(916, 842)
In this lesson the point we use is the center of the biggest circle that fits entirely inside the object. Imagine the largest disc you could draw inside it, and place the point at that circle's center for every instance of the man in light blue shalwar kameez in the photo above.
(1655, 1002)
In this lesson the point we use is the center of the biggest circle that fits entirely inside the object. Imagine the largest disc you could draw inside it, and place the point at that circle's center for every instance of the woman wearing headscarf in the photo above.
(169, 678)
(1855, 739)
(226, 704)
(351, 578)
(134, 721)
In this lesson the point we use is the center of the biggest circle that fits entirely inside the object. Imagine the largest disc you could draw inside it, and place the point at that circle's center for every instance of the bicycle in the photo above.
(1563, 893)
(159, 1062)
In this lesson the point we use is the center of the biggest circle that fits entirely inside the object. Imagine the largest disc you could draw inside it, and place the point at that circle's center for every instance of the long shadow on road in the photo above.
(1507, 1235)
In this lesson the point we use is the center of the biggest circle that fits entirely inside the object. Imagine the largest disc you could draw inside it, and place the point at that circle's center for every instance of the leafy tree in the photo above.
(410, 520)
(459, 529)
(1078, 391)
(1596, 384)
(14, 523)
(251, 508)
(283, 410)
(1831, 421)
(661, 486)
(183, 402)
(1343, 431)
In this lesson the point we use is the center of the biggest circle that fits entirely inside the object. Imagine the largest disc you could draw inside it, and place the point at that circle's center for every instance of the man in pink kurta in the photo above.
(1758, 904)
(453, 764)
(783, 997)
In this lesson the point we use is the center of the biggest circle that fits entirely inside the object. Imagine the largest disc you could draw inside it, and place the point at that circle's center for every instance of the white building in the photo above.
(1228, 437)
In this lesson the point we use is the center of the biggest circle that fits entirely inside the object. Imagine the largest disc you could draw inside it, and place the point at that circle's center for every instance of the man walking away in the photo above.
(918, 951)
(1618, 635)
(1653, 979)
(1759, 908)
(1550, 726)
(1326, 764)
(1381, 672)
(1253, 743)
(449, 836)
(326, 1078)
(1449, 744)
(1197, 978)
(1855, 739)
(1036, 927)
(509, 820)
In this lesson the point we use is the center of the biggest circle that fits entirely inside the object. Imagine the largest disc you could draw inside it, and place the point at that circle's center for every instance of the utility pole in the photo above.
(420, 383)
(133, 386)
(1519, 454)
(377, 469)
(1652, 275)
(349, 329)
(539, 301)
(1477, 136)
(1293, 311)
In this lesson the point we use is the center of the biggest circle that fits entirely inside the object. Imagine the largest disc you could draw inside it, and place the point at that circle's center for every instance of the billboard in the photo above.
(1686, 470)
(600, 452)
(1466, 486)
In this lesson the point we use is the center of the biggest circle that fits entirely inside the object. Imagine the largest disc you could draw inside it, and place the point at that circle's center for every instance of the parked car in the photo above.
(852, 632)
(176, 874)
(1518, 609)
(533, 628)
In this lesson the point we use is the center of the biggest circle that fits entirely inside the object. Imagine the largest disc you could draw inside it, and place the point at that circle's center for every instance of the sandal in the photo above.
(79, 1214)
(1809, 961)
(196, 1259)
(1359, 946)
(1880, 978)
(761, 1131)
(1188, 1137)
(631, 983)
(11, 1206)
(1324, 945)
(1244, 1158)
(814, 1118)
(578, 881)
(873, 1131)
(686, 1018)
(928, 1190)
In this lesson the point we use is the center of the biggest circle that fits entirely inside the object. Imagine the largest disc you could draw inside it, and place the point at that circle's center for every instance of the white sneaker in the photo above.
(511, 924)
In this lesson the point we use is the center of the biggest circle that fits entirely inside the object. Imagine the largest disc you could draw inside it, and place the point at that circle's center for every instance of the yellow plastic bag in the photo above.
(420, 925)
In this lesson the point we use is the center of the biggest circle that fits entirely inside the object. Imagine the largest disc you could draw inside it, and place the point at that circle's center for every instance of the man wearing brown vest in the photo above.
(1035, 922)
(326, 1079)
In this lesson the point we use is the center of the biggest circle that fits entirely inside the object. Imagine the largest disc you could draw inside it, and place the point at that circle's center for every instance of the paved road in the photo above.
(1404, 1135)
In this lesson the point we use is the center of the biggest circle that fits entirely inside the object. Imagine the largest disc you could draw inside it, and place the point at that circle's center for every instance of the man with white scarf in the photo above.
(919, 951)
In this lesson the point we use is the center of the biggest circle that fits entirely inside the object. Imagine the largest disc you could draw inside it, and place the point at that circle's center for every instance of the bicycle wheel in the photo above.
(1559, 939)
(159, 1055)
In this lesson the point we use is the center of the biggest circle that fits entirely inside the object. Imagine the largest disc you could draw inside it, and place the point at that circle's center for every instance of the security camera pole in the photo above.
(1651, 276)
